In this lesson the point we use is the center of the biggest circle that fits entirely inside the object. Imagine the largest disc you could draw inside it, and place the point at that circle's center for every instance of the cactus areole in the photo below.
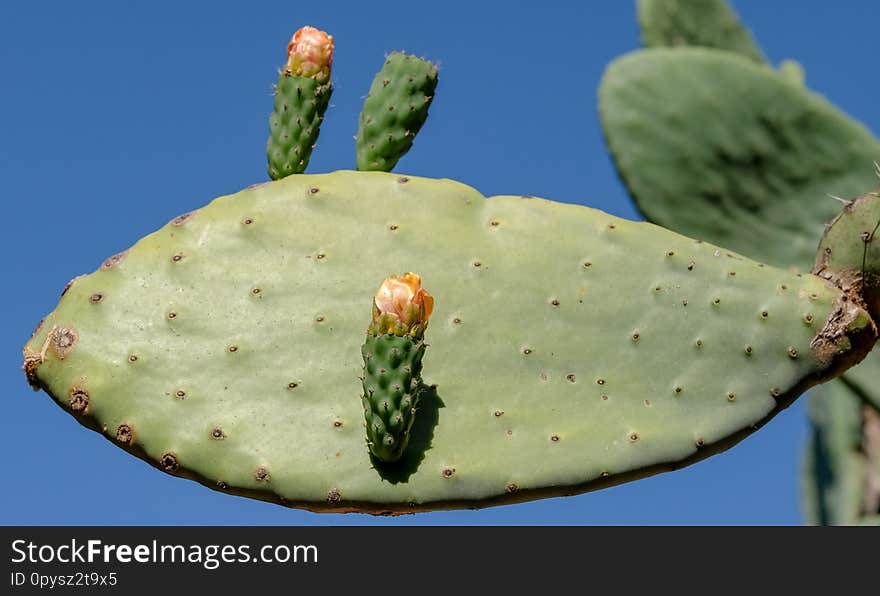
(570, 350)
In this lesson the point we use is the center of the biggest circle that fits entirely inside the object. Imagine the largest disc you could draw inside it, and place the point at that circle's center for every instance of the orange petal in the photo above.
(428, 303)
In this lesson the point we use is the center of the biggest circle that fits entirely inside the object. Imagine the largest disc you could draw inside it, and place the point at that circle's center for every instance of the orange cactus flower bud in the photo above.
(402, 306)
(310, 54)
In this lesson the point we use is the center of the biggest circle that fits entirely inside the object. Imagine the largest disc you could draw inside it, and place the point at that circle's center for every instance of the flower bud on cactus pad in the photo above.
(392, 355)
(394, 111)
(310, 54)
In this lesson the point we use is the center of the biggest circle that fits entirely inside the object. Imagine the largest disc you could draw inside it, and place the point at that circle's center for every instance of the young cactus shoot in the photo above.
(301, 98)
(392, 355)
(394, 111)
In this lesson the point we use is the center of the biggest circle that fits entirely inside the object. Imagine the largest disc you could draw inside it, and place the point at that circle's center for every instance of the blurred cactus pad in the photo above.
(569, 350)
(715, 146)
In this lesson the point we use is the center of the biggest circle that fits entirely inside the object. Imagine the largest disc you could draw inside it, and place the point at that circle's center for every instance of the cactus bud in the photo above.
(310, 54)
(401, 306)
(393, 352)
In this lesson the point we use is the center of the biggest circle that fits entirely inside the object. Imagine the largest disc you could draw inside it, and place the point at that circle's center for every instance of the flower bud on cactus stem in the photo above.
(301, 99)
(393, 352)
(310, 54)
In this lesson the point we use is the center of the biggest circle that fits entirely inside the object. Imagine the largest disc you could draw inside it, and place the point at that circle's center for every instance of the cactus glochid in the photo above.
(392, 355)
(302, 95)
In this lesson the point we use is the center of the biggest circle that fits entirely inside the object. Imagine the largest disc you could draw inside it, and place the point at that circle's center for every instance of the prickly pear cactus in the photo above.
(706, 23)
(757, 157)
(394, 111)
(570, 350)
(302, 95)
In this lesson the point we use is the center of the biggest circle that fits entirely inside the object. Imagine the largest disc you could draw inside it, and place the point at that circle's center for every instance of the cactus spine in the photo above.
(301, 98)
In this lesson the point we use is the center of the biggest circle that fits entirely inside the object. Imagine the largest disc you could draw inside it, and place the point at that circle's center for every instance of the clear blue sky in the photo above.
(114, 119)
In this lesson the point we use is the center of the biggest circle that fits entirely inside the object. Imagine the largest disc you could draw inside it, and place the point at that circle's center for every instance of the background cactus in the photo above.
(707, 23)
(713, 143)
(554, 373)
(835, 463)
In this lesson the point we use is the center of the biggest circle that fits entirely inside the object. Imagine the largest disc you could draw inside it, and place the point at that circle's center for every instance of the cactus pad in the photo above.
(849, 252)
(392, 390)
(747, 161)
(841, 483)
(706, 23)
(569, 349)
(394, 111)
(294, 125)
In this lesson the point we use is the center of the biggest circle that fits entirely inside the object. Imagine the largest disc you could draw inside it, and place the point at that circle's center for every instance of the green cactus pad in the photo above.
(866, 376)
(747, 161)
(842, 458)
(706, 23)
(392, 389)
(294, 125)
(849, 253)
(570, 350)
(394, 111)
(849, 256)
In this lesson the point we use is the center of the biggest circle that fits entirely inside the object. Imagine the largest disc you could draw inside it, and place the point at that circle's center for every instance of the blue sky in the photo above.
(113, 119)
